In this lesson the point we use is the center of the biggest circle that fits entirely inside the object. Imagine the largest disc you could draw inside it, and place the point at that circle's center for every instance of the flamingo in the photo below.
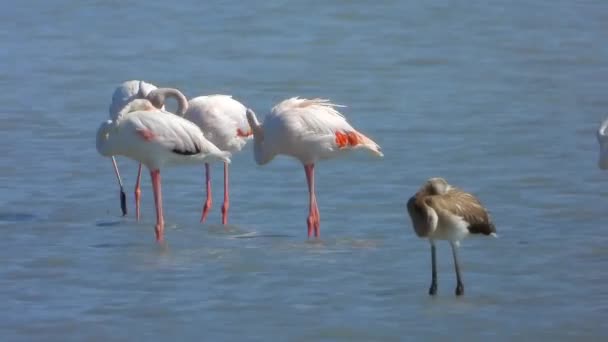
(154, 139)
(602, 139)
(308, 130)
(122, 96)
(440, 211)
(223, 121)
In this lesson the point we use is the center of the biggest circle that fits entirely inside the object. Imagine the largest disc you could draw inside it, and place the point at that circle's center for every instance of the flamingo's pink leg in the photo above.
(226, 204)
(317, 221)
(207, 205)
(138, 193)
(313, 219)
(158, 202)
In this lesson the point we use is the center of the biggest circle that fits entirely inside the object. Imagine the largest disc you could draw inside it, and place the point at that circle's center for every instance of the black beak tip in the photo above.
(123, 203)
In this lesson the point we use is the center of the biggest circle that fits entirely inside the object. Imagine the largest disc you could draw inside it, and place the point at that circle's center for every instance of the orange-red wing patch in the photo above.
(347, 139)
(240, 133)
(353, 139)
(146, 134)
(341, 139)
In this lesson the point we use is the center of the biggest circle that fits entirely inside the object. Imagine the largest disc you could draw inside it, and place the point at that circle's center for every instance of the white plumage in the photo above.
(156, 139)
(308, 130)
(221, 118)
(223, 121)
(127, 92)
(123, 95)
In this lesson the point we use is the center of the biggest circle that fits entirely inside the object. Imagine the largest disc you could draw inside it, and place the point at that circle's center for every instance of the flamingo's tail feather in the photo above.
(221, 156)
(354, 140)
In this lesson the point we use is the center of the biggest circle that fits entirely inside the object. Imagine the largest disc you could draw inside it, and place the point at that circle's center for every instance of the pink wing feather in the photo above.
(317, 120)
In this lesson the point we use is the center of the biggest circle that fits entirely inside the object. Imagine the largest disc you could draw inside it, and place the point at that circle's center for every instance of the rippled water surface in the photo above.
(501, 98)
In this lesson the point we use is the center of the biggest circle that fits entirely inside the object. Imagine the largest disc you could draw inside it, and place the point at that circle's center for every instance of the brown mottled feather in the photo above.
(447, 200)
(463, 204)
(418, 216)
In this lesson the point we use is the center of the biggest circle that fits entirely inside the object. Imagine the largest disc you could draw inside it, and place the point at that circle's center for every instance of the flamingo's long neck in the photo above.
(603, 127)
(157, 98)
(103, 141)
(135, 105)
(431, 217)
(182, 101)
(261, 152)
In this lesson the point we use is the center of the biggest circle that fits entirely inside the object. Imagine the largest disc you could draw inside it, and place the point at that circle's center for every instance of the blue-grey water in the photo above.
(501, 98)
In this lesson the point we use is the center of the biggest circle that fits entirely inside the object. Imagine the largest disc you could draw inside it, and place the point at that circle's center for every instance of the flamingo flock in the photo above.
(210, 128)
(155, 138)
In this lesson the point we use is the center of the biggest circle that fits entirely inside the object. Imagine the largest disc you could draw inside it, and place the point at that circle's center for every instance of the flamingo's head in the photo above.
(256, 128)
(144, 91)
(158, 97)
(436, 186)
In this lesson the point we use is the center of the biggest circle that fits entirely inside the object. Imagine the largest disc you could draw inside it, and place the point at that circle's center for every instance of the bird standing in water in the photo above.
(223, 121)
(440, 211)
(308, 130)
(156, 140)
(122, 96)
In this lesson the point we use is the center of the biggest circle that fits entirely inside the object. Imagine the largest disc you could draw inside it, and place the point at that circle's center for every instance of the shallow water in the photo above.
(500, 98)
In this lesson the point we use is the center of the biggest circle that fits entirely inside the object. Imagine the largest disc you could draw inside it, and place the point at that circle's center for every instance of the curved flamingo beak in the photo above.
(123, 202)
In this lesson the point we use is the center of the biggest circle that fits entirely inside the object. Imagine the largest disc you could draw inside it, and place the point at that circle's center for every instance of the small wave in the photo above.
(107, 223)
(114, 245)
(16, 217)
(255, 235)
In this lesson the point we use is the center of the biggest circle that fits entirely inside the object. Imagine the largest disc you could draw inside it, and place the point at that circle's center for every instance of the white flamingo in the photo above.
(602, 139)
(308, 130)
(223, 121)
(154, 139)
(122, 96)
